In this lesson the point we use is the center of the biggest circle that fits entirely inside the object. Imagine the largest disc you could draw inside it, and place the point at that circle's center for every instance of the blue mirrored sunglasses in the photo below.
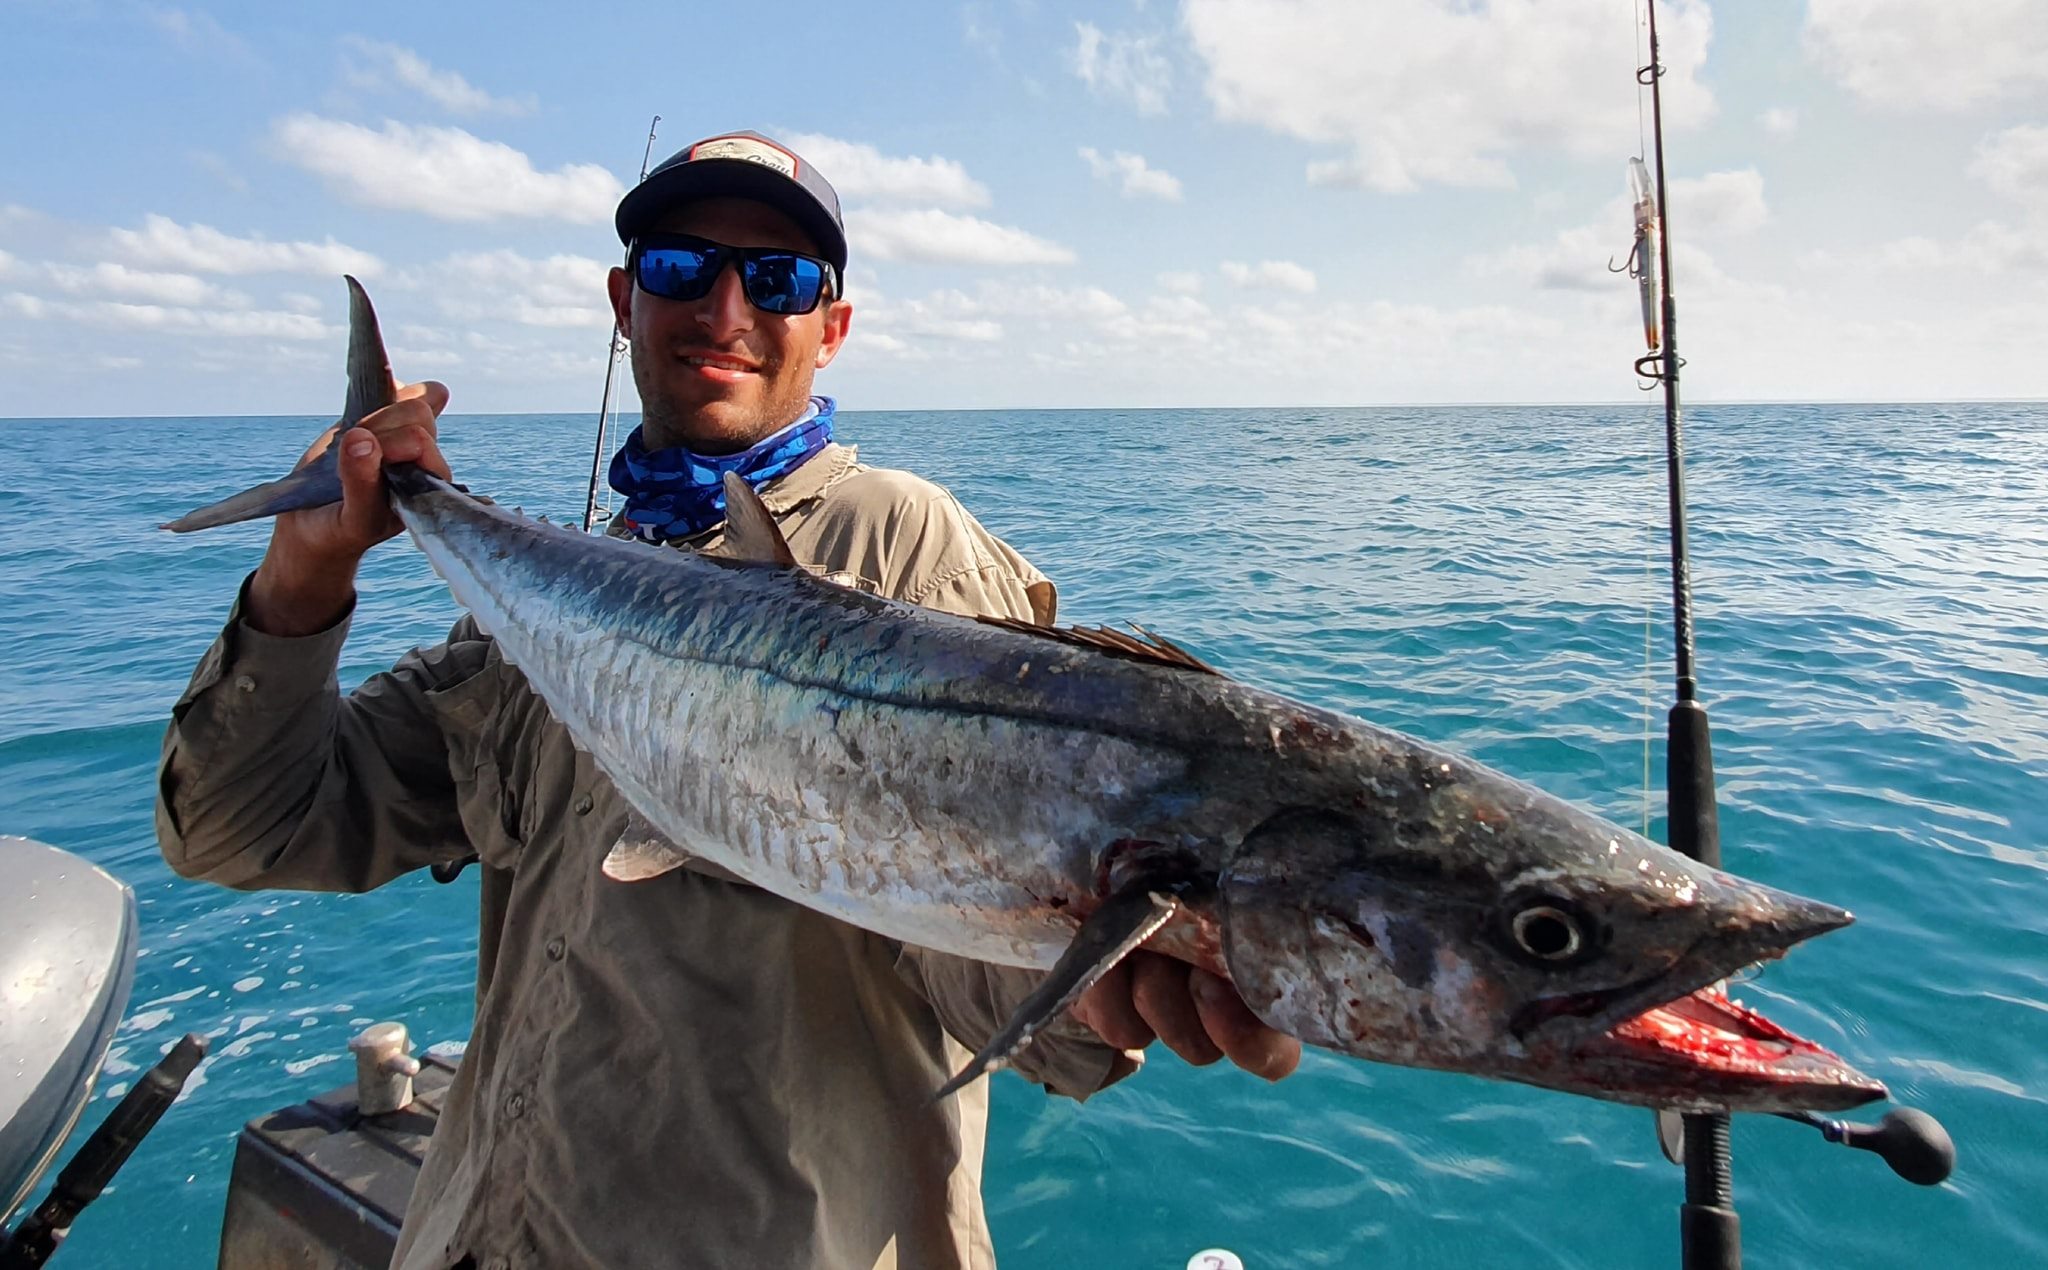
(684, 267)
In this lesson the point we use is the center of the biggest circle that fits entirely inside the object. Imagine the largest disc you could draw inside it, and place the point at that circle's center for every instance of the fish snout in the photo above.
(1751, 922)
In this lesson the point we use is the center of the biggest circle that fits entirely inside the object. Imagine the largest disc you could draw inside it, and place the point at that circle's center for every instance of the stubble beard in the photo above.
(719, 425)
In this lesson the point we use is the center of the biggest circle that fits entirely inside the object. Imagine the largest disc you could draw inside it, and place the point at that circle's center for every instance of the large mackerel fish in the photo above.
(1056, 798)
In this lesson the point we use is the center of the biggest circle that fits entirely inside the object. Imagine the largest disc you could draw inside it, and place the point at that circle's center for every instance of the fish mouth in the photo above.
(1675, 1038)
(1707, 1052)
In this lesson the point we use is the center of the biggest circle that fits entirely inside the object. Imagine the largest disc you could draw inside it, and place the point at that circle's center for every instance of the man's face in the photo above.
(718, 374)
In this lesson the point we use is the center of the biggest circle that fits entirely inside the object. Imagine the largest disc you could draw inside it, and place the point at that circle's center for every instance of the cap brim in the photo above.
(729, 178)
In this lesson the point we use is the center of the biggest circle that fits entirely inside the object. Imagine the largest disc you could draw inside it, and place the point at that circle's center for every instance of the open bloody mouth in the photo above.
(1708, 1052)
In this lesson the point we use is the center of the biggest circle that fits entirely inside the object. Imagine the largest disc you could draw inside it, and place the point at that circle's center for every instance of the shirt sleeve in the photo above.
(270, 778)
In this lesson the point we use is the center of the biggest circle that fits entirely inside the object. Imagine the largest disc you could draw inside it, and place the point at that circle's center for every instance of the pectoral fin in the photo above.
(1128, 918)
(641, 853)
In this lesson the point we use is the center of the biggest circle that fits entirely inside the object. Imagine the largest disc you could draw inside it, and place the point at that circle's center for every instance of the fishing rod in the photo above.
(611, 366)
(1709, 1228)
(1913, 1143)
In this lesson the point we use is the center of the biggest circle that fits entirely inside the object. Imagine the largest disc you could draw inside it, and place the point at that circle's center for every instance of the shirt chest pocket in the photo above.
(469, 714)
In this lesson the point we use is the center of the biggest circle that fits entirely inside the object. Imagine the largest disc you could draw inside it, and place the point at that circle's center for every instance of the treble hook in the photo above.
(1632, 266)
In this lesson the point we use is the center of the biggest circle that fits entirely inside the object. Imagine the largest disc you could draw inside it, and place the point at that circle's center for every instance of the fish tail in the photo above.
(370, 387)
(315, 485)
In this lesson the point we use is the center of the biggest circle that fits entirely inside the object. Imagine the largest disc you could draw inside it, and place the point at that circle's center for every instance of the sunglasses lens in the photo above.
(684, 268)
(676, 273)
(784, 283)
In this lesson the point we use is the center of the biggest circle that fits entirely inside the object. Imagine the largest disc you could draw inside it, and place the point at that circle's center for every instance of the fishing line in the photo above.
(1642, 131)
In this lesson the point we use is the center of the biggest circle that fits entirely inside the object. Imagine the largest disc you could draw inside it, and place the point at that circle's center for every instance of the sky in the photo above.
(1134, 203)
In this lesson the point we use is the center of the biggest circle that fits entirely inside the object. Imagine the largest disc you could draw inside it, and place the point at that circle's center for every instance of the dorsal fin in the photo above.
(1145, 646)
(751, 534)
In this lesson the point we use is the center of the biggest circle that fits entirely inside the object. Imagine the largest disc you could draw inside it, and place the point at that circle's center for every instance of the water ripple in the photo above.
(1869, 585)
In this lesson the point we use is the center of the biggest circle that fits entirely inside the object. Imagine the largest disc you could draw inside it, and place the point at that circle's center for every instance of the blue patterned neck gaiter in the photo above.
(676, 493)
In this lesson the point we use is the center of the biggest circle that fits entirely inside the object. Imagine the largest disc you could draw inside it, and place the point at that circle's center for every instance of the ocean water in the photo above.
(1871, 585)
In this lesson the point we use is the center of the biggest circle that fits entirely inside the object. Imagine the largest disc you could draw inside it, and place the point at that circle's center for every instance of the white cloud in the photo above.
(976, 331)
(1940, 54)
(1056, 304)
(1126, 66)
(7, 264)
(1170, 349)
(221, 170)
(1270, 275)
(21, 302)
(245, 323)
(1578, 258)
(502, 285)
(1178, 283)
(445, 173)
(882, 342)
(860, 171)
(234, 323)
(377, 64)
(907, 327)
(1720, 202)
(110, 279)
(1133, 175)
(1779, 121)
(932, 235)
(1990, 248)
(1398, 83)
(199, 33)
(162, 243)
(978, 28)
(2015, 163)
(1574, 260)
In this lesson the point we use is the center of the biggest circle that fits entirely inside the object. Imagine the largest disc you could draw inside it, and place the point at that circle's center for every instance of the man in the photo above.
(685, 1070)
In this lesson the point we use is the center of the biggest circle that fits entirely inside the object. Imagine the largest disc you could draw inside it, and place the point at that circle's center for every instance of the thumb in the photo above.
(365, 506)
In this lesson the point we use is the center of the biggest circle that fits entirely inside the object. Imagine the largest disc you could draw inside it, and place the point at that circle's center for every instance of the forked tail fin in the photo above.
(370, 387)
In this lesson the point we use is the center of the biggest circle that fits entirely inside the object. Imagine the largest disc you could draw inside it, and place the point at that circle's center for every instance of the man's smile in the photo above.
(724, 368)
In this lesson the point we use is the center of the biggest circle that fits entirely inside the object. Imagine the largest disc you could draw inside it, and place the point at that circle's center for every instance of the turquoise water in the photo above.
(1870, 586)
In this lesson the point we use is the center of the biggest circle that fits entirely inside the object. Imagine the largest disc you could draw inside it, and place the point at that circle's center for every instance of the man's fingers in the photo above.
(406, 429)
(1197, 1014)
(1159, 988)
(411, 443)
(1230, 1023)
(433, 393)
(365, 508)
(1107, 1010)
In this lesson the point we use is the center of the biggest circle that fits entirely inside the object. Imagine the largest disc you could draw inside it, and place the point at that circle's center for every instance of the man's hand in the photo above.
(1148, 996)
(308, 577)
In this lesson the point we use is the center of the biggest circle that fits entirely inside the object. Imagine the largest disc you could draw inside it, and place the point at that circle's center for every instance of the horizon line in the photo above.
(1647, 399)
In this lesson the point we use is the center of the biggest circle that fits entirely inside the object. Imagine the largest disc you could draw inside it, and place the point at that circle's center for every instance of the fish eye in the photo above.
(1548, 933)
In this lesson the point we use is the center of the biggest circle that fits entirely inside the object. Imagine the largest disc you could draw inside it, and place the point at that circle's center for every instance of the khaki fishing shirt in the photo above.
(685, 1071)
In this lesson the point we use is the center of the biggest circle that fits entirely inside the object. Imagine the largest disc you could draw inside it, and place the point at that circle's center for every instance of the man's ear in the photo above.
(838, 321)
(621, 288)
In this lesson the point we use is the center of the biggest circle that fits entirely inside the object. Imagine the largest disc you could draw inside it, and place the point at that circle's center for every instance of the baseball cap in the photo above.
(739, 165)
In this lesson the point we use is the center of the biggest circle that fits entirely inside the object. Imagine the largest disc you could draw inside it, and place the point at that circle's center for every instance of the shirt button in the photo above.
(245, 683)
(584, 804)
(557, 947)
(515, 1105)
